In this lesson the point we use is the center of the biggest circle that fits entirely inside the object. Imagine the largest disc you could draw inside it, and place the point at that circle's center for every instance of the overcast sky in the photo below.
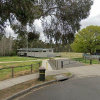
(93, 19)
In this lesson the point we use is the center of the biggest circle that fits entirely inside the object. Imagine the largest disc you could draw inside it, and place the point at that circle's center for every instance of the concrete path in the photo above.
(11, 82)
(85, 71)
(14, 81)
(46, 65)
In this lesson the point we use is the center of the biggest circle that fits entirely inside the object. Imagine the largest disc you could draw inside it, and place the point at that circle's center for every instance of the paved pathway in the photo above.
(46, 65)
(65, 63)
(85, 71)
(11, 82)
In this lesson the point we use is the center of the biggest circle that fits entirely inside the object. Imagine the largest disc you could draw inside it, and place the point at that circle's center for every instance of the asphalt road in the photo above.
(73, 89)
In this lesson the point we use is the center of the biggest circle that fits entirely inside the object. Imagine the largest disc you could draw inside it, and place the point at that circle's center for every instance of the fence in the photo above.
(59, 64)
(13, 71)
(91, 56)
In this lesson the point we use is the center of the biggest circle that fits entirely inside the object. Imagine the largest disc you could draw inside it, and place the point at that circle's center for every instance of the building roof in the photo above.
(34, 49)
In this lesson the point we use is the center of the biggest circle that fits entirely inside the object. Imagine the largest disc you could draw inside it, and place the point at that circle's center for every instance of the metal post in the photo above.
(98, 60)
(61, 64)
(57, 65)
(12, 72)
(39, 64)
(69, 61)
(85, 59)
(31, 68)
(90, 61)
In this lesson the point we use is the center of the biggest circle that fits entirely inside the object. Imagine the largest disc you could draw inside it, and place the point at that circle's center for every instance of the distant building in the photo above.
(35, 52)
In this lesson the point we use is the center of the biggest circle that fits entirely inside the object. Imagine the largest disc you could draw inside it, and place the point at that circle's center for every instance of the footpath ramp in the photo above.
(58, 64)
(46, 65)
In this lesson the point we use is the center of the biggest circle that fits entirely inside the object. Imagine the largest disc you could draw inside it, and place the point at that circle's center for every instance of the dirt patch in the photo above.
(1, 66)
(5, 93)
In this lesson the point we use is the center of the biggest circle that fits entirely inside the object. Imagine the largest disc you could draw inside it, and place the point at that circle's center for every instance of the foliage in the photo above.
(87, 40)
(26, 11)
(33, 36)
(65, 18)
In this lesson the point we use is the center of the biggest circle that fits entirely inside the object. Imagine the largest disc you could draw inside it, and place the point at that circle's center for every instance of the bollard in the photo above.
(12, 72)
(90, 61)
(39, 64)
(42, 74)
(69, 61)
(57, 65)
(31, 68)
(85, 59)
(61, 64)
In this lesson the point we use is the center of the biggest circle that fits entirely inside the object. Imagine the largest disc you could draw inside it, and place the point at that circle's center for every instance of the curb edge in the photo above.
(34, 87)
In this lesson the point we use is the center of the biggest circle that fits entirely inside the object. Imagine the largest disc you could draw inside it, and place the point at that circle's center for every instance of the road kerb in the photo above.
(34, 87)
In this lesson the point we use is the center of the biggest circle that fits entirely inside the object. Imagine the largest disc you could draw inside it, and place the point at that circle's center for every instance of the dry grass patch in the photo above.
(20, 87)
(18, 70)
(70, 54)
(5, 93)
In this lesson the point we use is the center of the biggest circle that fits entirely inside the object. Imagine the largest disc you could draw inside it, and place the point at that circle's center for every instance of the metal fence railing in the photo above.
(59, 64)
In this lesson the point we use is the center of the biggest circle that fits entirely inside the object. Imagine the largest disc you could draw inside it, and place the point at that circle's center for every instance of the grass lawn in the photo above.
(69, 54)
(94, 61)
(18, 71)
(15, 58)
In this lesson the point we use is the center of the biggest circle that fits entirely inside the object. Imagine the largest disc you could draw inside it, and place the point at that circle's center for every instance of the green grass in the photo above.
(18, 71)
(14, 64)
(15, 58)
(94, 61)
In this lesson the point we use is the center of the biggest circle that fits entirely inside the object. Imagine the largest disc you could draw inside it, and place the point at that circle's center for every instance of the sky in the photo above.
(92, 19)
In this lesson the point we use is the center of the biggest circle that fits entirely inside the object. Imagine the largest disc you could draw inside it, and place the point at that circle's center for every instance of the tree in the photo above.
(67, 15)
(68, 12)
(87, 40)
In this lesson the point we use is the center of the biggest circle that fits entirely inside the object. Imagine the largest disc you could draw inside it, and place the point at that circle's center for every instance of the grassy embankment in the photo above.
(87, 61)
(16, 58)
(18, 71)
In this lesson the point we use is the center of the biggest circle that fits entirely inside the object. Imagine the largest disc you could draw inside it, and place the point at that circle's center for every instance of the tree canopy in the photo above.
(68, 12)
(65, 17)
(87, 40)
